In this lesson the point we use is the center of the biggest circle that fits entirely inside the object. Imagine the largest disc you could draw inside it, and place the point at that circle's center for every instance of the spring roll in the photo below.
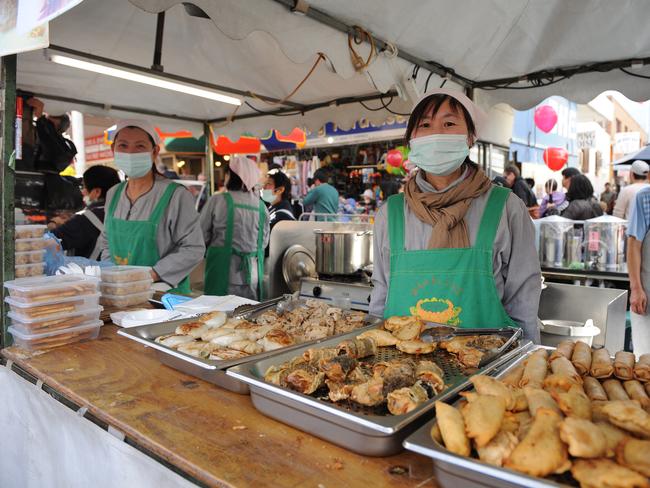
(535, 370)
(584, 439)
(452, 429)
(633, 453)
(594, 389)
(635, 391)
(642, 368)
(538, 398)
(541, 452)
(581, 358)
(601, 364)
(564, 367)
(483, 416)
(615, 390)
(564, 349)
(624, 365)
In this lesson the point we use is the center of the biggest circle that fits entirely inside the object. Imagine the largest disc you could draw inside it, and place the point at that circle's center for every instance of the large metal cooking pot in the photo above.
(342, 252)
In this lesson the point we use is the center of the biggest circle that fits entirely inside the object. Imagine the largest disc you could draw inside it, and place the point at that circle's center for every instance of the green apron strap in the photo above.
(260, 251)
(162, 204)
(230, 220)
(396, 221)
(491, 217)
(116, 198)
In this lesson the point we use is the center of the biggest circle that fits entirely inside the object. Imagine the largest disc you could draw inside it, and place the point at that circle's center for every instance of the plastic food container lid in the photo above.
(117, 272)
(48, 282)
(29, 337)
(145, 295)
(125, 284)
(48, 318)
(31, 228)
(81, 298)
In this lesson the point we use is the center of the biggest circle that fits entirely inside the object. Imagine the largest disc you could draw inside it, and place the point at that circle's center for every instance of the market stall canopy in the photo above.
(626, 161)
(260, 46)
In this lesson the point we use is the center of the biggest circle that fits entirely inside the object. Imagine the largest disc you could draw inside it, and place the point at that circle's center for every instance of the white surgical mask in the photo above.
(87, 200)
(134, 165)
(267, 195)
(439, 154)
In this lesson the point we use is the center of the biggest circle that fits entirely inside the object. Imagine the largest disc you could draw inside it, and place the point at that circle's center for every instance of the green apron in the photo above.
(449, 286)
(218, 258)
(133, 242)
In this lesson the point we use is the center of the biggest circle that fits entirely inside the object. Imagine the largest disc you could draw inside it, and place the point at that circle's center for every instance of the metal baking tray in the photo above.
(364, 430)
(210, 370)
(452, 470)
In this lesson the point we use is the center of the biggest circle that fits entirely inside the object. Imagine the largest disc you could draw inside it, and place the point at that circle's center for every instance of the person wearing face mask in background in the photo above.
(150, 220)
(235, 227)
(277, 194)
(80, 234)
(454, 248)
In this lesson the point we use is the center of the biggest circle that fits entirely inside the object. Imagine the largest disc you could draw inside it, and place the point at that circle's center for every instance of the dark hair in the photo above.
(530, 182)
(580, 188)
(639, 177)
(234, 182)
(321, 175)
(500, 181)
(102, 177)
(280, 180)
(436, 101)
(512, 169)
(570, 172)
(550, 186)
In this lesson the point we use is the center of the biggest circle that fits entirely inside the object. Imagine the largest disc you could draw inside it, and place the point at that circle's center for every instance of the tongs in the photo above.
(244, 311)
(441, 332)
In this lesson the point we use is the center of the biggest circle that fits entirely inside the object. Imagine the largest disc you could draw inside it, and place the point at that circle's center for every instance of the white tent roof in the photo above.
(259, 45)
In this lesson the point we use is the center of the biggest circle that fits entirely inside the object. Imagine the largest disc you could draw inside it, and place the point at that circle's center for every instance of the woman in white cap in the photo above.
(235, 228)
(150, 220)
(453, 248)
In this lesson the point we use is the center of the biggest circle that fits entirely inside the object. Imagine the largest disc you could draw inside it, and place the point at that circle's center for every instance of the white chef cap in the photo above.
(145, 125)
(247, 170)
(479, 117)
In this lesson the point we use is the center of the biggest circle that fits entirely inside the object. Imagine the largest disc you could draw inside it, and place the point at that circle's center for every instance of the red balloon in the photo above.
(394, 158)
(545, 118)
(555, 157)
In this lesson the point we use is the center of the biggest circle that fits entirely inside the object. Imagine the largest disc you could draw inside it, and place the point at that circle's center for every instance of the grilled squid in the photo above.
(406, 399)
(305, 379)
(337, 368)
(429, 372)
(357, 348)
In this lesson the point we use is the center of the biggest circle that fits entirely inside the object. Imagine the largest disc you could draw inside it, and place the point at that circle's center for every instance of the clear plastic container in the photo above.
(30, 257)
(48, 288)
(126, 300)
(42, 310)
(48, 340)
(30, 231)
(126, 288)
(29, 270)
(54, 322)
(30, 244)
(122, 274)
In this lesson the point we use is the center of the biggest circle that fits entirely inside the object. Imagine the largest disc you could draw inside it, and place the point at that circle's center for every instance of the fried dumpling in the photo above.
(193, 329)
(225, 354)
(538, 398)
(383, 338)
(226, 340)
(173, 340)
(416, 347)
(276, 339)
(613, 436)
(573, 403)
(498, 449)
(407, 399)
(628, 415)
(198, 349)
(583, 438)
(635, 454)
(486, 385)
(592, 473)
(214, 319)
(452, 429)
(249, 347)
(483, 416)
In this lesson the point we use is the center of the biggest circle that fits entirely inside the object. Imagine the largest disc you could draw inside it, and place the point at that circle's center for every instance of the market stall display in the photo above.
(125, 286)
(365, 392)
(570, 415)
(30, 250)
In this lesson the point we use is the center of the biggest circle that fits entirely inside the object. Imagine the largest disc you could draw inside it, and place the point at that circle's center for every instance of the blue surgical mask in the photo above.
(267, 196)
(134, 165)
(439, 154)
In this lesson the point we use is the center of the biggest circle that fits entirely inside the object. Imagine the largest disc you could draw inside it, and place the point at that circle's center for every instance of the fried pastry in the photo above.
(483, 415)
(642, 368)
(214, 333)
(559, 382)
(357, 348)
(535, 370)
(574, 403)
(409, 331)
(275, 339)
(635, 391)
(615, 390)
(173, 340)
(226, 354)
(370, 393)
(430, 372)
(452, 429)
(634, 454)
(498, 449)
(538, 398)
(581, 358)
(563, 349)
(629, 416)
(584, 438)
(407, 399)
(594, 389)
(395, 323)
(595, 473)
(416, 347)
(383, 338)
(193, 329)
(226, 340)
(601, 364)
(247, 346)
(337, 368)
(198, 349)
(338, 391)
(624, 365)
(313, 355)
(486, 385)
(305, 379)
(541, 452)
(562, 366)
(613, 436)
(214, 319)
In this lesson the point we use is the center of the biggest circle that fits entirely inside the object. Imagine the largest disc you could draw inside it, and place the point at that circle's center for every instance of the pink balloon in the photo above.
(394, 158)
(545, 118)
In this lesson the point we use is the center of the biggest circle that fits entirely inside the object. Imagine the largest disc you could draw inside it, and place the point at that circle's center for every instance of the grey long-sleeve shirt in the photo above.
(245, 233)
(178, 239)
(516, 267)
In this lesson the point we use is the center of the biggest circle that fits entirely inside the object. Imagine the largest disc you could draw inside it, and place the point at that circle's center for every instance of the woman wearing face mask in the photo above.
(150, 220)
(277, 193)
(235, 228)
(454, 248)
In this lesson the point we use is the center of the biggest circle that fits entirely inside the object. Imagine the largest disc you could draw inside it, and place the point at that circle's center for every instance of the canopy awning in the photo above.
(624, 163)
(260, 46)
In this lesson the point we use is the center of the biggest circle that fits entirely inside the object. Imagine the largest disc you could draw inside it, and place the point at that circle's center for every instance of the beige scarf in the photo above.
(445, 212)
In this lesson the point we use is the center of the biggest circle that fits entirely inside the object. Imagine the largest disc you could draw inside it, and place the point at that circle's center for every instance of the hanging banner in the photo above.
(32, 13)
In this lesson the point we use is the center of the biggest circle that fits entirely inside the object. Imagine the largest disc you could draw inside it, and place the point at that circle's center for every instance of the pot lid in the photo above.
(606, 219)
(297, 263)
(554, 218)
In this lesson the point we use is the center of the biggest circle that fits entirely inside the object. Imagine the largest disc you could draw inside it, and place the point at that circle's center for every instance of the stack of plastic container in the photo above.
(126, 286)
(51, 311)
(30, 250)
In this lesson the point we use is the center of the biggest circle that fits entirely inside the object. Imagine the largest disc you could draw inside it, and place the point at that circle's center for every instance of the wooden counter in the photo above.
(209, 434)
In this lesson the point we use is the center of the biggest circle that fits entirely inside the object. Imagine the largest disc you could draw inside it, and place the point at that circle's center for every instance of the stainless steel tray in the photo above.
(354, 429)
(452, 470)
(208, 370)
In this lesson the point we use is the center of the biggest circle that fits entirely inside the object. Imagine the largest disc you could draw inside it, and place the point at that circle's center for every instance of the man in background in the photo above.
(519, 187)
(608, 197)
(323, 197)
(625, 200)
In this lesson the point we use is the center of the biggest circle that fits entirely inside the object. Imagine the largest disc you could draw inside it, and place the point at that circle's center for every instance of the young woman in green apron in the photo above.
(235, 227)
(453, 248)
(150, 221)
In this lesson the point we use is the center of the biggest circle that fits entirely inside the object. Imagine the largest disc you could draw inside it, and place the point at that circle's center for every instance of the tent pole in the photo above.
(7, 177)
(209, 159)
(157, 50)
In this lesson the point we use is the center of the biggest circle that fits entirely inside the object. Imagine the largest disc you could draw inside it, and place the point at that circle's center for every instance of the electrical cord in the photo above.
(634, 74)
(357, 36)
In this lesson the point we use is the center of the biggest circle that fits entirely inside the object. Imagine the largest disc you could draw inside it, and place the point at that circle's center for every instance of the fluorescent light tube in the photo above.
(145, 79)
